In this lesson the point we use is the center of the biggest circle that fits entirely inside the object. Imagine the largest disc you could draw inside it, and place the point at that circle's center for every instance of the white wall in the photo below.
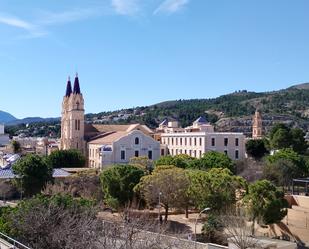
(1, 129)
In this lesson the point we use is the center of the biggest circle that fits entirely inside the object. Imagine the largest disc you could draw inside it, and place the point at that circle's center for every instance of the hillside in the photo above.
(231, 112)
(6, 117)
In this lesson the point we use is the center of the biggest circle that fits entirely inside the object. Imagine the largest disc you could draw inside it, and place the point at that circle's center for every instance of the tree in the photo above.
(62, 222)
(282, 172)
(16, 146)
(292, 156)
(256, 148)
(118, 183)
(216, 188)
(57, 222)
(66, 158)
(299, 143)
(212, 229)
(33, 174)
(265, 203)
(214, 159)
(282, 137)
(180, 161)
(170, 183)
(143, 162)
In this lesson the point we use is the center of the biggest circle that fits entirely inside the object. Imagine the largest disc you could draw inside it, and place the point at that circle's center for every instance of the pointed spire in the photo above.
(76, 89)
(69, 88)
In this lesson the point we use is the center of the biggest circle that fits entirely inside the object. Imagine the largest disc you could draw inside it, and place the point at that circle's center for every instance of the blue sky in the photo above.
(139, 52)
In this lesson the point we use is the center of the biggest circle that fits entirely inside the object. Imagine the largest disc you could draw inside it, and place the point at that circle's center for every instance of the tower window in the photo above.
(136, 140)
(226, 141)
(77, 105)
(136, 154)
(236, 142)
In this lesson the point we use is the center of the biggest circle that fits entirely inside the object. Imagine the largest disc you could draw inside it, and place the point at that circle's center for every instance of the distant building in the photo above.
(200, 138)
(257, 127)
(102, 144)
(4, 138)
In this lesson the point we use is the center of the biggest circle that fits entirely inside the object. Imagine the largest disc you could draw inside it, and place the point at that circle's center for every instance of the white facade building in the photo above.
(4, 138)
(200, 138)
(119, 147)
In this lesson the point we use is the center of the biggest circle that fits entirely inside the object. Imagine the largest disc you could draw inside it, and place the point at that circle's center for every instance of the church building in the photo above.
(103, 145)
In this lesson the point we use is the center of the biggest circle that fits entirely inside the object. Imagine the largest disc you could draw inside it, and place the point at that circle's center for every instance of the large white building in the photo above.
(4, 138)
(200, 138)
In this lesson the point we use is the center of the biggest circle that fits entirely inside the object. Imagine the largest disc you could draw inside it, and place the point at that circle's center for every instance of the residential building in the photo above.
(200, 138)
(4, 138)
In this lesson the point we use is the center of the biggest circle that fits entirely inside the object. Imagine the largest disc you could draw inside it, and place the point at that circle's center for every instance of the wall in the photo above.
(127, 143)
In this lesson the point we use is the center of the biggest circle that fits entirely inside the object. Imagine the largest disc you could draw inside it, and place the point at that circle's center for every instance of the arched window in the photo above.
(77, 105)
(136, 140)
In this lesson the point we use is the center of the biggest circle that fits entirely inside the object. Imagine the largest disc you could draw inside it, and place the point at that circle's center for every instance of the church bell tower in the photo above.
(257, 127)
(72, 118)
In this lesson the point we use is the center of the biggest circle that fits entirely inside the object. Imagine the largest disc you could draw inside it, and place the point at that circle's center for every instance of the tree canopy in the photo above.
(34, 172)
(289, 155)
(281, 136)
(282, 172)
(66, 159)
(215, 188)
(256, 148)
(170, 183)
(180, 161)
(118, 182)
(214, 159)
(265, 203)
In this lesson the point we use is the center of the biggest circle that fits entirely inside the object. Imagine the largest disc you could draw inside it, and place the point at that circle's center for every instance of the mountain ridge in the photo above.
(228, 112)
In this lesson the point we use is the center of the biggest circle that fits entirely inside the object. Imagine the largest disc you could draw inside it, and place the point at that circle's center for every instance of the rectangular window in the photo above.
(185, 152)
(180, 141)
(162, 152)
(190, 142)
(200, 153)
(213, 142)
(195, 141)
(200, 141)
(150, 154)
(185, 141)
(136, 154)
(236, 154)
(123, 155)
(225, 152)
(78, 125)
(226, 141)
(176, 152)
(236, 142)
(172, 141)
